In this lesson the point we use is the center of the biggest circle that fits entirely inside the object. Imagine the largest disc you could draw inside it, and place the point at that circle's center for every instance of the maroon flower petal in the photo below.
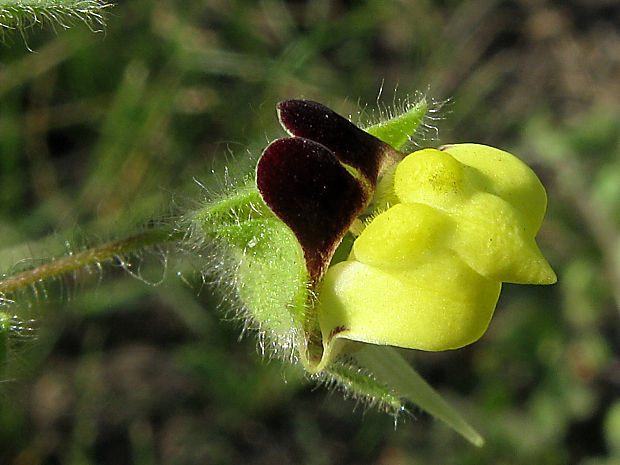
(312, 192)
(350, 144)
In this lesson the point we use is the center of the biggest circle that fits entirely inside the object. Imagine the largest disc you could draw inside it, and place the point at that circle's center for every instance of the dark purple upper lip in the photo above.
(304, 182)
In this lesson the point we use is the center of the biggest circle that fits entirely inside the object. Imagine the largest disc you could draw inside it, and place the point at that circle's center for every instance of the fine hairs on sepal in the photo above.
(394, 117)
(358, 383)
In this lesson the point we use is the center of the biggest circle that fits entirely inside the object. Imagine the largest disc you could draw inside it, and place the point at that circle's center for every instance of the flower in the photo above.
(446, 227)
(426, 273)
(342, 239)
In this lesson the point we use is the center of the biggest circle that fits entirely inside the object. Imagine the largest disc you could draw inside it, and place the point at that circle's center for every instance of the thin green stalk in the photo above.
(390, 368)
(22, 14)
(90, 256)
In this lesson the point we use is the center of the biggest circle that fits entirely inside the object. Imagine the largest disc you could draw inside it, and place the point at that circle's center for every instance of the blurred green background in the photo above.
(100, 133)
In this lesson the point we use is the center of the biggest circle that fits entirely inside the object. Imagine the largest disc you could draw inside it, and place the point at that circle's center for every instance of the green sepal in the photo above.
(397, 130)
(269, 269)
(359, 383)
(243, 203)
(271, 275)
(389, 367)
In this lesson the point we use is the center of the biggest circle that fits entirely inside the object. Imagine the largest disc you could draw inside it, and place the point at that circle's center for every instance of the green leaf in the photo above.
(389, 367)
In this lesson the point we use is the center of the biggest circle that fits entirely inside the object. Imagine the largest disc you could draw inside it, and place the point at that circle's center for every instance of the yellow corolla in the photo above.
(426, 273)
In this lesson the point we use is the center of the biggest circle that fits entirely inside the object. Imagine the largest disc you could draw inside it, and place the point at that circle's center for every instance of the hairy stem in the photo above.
(21, 14)
(90, 256)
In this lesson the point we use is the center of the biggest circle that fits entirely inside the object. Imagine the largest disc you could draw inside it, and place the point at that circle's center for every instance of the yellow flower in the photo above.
(344, 239)
(426, 273)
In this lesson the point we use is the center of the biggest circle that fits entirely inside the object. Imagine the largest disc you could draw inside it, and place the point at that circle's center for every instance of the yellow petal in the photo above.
(495, 202)
(439, 304)
(399, 236)
(431, 177)
(504, 175)
(490, 237)
(426, 273)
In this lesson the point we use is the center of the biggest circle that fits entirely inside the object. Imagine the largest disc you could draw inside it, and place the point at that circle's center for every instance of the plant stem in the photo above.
(21, 14)
(390, 368)
(90, 256)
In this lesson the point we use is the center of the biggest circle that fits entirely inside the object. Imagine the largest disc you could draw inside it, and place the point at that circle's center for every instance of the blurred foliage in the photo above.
(100, 133)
